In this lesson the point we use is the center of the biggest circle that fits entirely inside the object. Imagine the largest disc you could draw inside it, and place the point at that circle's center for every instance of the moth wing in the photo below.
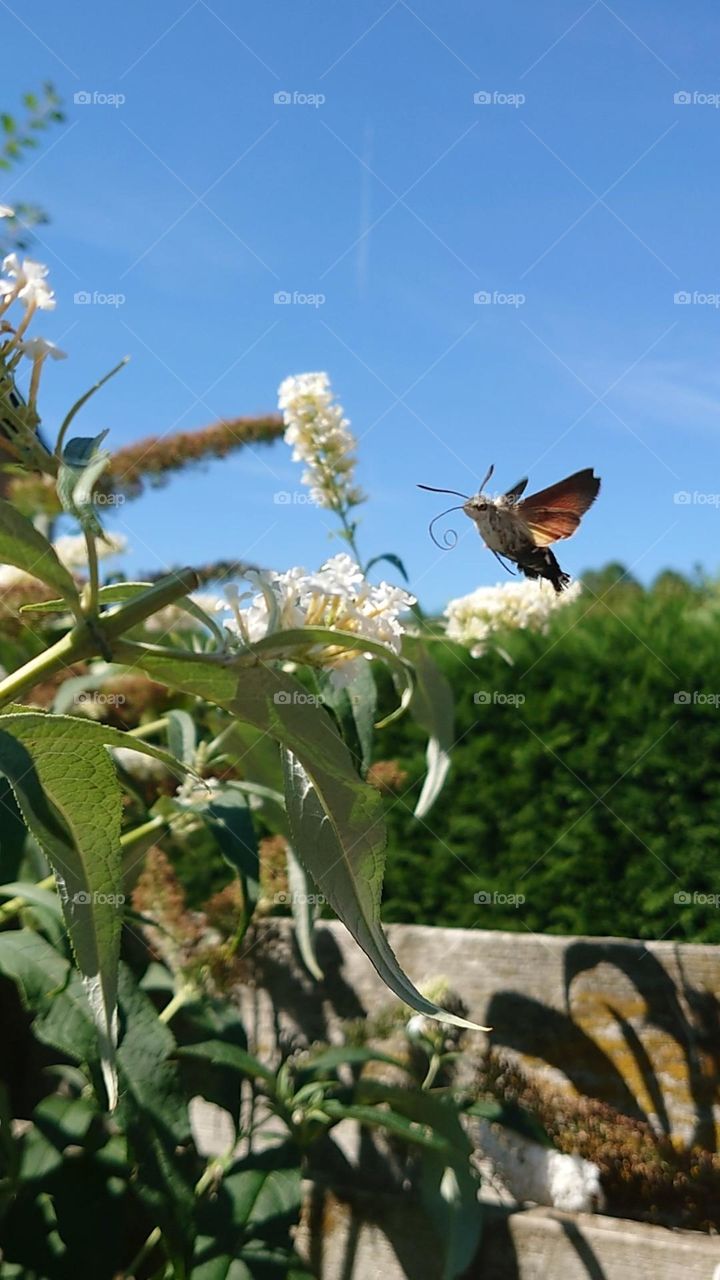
(554, 513)
(575, 493)
(547, 525)
(517, 490)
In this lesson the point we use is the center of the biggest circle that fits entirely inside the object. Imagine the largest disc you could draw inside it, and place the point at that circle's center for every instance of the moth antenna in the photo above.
(431, 489)
(450, 536)
(489, 474)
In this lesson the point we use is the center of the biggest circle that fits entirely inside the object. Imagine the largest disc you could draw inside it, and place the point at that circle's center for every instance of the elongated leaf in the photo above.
(343, 848)
(448, 1183)
(335, 818)
(222, 1054)
(329, 1060)
(181, 735)
(354, 707)
(390, 558)
(32, 893)
(303, 913)
(119, 592)
(245, 1229)
(23, 546)
(432, 706)
(66, 787)
(154, 1111)
(304, 638)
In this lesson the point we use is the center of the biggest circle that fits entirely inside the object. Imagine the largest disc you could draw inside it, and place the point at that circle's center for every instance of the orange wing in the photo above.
(555, 512)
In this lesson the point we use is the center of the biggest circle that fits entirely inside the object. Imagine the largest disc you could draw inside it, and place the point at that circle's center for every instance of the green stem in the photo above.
(179, 1000)
(83, 642)
(93, 586)
(145, 1249)
(73, 647)
(149, 729)
(13, 905)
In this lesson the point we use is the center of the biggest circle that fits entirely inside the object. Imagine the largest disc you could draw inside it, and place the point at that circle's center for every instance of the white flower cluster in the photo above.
(27, 281)
(338, 595)
(321, 438)
(474, 618)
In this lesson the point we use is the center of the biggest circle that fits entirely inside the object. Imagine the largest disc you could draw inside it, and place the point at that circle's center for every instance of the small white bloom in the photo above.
(39, 348)
(71, 548)
(27, 282)
(320, 437)
(6, 211)
(337, 595)
(474, 618)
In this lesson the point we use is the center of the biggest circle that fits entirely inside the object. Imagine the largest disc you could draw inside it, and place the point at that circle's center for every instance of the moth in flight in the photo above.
(522, 529)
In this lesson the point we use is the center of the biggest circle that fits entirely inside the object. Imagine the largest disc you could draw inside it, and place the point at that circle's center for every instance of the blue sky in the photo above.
(398, 198)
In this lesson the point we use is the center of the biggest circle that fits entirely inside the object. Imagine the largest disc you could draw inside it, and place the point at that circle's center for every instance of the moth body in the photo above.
(498, 526)
(521, 529)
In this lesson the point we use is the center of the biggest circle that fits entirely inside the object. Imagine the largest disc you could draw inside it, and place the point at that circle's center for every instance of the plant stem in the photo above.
(145, 1249)
(14, 905)
(74, 646)
(147, 730)
(83, 641)
(93, 586)
(181, 998)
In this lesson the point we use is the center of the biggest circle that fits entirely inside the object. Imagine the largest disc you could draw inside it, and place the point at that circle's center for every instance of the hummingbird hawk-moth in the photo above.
(521, 529)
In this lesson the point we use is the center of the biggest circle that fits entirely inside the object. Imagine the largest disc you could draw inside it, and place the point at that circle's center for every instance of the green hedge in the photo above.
(597, 799)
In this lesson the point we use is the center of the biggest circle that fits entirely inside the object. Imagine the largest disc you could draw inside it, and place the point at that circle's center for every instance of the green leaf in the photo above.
(245, 1229)
(336, 819)
(67, 789)
(32, 893)
(303, 913)
(347, 1055)
(52, 992)
(181, 736)
(153, 1109)
(304, 638)
(432, 707)
(448, 1183)
(23, 546)
(378, 1118)
(229, 821)
(354, 707)
(340, 837)
(223, 1054)
(390, 558)
(120, 592)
